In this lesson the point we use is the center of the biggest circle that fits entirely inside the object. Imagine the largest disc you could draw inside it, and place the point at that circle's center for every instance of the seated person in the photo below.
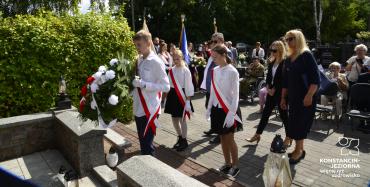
(254, 71)
(342, 82)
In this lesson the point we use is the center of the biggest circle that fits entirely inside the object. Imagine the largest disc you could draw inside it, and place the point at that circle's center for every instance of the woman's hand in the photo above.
(307, 101)
(271, 92)
(283, 104)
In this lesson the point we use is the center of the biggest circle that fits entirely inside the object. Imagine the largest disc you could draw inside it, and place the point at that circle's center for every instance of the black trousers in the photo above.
(146, 143)
(271, 102)
(207, 99)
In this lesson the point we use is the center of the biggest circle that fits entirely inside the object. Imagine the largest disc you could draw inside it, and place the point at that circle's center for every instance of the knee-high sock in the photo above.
(184, 128)
(176, 125)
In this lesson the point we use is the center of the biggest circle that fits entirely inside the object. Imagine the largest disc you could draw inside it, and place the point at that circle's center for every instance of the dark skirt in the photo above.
(217, 121)
(173, 105)
(300, 120)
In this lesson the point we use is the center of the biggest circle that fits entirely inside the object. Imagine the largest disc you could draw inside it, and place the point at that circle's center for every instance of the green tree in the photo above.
(344, 18)
(37, 49)
(14, 7)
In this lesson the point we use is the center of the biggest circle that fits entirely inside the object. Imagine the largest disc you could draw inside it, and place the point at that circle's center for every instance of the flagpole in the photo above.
(182, 27)
(214, 25)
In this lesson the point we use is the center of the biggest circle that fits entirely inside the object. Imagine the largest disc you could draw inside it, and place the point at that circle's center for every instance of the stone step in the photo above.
(106, 175)
(117, 140)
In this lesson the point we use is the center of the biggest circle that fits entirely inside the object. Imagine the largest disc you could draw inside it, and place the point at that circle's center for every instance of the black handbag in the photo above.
(277, 144)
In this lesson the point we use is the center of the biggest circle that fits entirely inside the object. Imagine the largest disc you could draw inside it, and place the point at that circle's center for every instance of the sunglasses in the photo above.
(273, 50)
(214, 41)
(289, 39)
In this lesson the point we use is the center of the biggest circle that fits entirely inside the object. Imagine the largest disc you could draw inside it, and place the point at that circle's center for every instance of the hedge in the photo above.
(35, 50)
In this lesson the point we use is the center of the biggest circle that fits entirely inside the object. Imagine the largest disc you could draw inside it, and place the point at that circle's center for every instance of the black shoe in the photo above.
(215, 140)
(183, 145)
(293, 161)
(224, 169)
(233, 172)
(177, 144)
(208, 133)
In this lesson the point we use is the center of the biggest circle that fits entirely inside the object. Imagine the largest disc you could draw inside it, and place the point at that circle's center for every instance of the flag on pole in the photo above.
(184, 45)
(145, 28)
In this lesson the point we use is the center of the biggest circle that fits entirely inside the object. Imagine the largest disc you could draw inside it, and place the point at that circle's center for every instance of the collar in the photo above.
(224, 67)
(151, 55)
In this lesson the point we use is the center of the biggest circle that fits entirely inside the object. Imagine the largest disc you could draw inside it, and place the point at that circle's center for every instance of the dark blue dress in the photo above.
(298, 75)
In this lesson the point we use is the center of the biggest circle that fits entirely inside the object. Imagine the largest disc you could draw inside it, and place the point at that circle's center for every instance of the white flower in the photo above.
(93, 105)
(102, 69)
(102, 80)
(110, 74)
(113, 100)
(94, 87)
(113, 62)
(97, 75)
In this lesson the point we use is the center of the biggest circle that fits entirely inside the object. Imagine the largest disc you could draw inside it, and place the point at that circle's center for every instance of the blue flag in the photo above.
(184, 46)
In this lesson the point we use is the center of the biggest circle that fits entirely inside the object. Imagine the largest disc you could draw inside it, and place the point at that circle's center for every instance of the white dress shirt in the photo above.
(203, 85)
(183, 78)
(261, 53)
(227, 80)
(152, 71)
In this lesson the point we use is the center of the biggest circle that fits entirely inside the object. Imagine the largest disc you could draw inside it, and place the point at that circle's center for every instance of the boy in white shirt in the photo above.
(150, 84)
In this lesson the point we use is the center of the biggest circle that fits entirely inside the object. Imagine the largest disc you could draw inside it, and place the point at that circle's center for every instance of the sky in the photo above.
(85, 5)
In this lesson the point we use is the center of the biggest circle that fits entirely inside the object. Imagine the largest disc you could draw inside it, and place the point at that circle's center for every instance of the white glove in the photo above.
(208, 115)
(138, 83)
(229, 120)
(188, 106)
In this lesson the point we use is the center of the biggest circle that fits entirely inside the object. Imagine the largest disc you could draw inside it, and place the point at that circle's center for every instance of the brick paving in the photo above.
(186, 166)
(309, 172)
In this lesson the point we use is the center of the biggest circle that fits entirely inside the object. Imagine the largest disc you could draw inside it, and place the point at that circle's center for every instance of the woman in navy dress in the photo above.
(274, 83)
(301, 80)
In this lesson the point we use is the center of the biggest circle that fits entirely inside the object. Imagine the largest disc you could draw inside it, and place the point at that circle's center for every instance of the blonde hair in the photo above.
(178, 52)
(300, 43)
(334, 64)
(281, 50)
(143, 35)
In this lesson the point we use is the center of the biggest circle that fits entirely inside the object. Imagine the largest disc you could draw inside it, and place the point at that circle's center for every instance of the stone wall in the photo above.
(22, 135)
(81, 143)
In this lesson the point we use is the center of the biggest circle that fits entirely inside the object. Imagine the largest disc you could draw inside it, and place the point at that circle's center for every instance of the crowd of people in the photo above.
(292, 81)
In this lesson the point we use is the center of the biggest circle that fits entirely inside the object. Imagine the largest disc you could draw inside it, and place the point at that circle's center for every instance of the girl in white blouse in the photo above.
(178, 98)
(223, 107)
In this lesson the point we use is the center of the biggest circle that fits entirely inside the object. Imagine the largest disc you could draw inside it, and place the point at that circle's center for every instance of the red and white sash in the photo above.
(221, 99)
(180, 94)
(151, 117)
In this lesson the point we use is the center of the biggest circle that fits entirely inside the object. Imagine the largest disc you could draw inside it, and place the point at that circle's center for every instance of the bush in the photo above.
(36, 50)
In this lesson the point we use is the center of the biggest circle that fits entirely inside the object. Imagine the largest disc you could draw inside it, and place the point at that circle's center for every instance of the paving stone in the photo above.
(118, 140)
(107, 175)
(148, 171)
(9, 164)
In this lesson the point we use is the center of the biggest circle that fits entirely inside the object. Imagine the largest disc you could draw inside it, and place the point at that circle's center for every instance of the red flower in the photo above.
(82, 104)
(90, 80)
(84, 90)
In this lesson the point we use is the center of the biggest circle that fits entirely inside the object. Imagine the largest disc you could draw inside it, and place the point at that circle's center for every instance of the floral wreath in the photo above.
(105, 92)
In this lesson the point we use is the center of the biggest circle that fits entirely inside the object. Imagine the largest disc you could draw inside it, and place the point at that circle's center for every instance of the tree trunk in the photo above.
(318, 19)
